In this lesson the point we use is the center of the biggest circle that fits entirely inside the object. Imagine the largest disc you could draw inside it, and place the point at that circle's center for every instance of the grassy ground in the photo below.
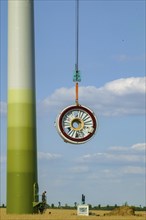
(60, 214)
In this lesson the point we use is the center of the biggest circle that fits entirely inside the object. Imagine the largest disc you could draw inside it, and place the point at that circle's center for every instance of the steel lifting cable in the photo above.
(76, 124)
(77, 77)
(77, 34)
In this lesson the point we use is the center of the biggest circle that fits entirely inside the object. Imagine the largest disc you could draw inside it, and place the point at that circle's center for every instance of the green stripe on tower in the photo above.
(21, 132)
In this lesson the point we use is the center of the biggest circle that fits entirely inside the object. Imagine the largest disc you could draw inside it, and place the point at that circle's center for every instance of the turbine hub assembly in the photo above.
(76, 124)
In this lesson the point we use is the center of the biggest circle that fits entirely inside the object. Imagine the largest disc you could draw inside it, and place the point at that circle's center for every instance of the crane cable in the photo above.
(77, 35)
(77, 77)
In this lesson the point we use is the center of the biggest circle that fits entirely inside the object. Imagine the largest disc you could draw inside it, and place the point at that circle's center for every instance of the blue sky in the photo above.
(109, 169)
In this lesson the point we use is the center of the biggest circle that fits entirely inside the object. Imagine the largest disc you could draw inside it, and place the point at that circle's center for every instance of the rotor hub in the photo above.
(76, 124)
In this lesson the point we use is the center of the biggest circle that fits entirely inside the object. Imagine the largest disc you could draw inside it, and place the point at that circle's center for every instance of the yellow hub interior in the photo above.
(77, 124)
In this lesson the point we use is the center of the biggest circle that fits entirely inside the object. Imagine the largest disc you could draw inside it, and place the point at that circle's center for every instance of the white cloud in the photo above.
(118, 148)
(126, 86)
(113, 164)
(48, 156)
(110, 158)
(115, 173)
(116, 155)
(134, 149)
(119, 97)
(79, 169)
(124, 96)
(133, 170)
(139, 146)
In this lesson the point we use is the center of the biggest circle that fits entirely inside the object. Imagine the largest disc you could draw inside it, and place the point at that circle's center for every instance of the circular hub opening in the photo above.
(77, 124)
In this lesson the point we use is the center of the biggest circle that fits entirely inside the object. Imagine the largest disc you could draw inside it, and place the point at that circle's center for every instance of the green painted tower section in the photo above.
(21, 129)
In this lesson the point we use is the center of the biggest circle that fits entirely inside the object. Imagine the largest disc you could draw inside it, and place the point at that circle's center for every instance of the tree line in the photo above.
(91, 207)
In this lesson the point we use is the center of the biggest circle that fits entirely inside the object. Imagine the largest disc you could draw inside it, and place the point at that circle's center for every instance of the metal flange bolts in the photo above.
(76, 124)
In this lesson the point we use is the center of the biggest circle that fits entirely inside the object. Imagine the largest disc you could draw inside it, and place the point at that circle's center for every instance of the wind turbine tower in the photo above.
(21, 128)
